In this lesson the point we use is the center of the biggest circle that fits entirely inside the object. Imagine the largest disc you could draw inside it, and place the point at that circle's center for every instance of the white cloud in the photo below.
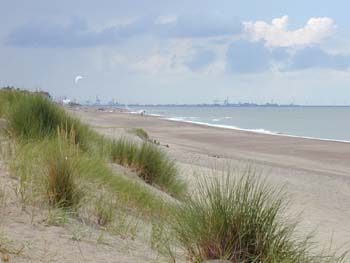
(277, 34)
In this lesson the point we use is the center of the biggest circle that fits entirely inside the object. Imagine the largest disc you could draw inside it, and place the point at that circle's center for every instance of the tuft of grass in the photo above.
(35, 117)
(150, 163)
(61, 183)
(156, 168)
(32, 162)
(104, 209)
(141, 133)
(125, 226)
(8, 98)
(239, 219)
(129, 193)
(58, 217)
(62, 174)
(124, 152)
(161, 239)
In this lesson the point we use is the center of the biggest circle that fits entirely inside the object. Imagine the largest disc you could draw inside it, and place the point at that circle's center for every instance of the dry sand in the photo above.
(315, 173)
(31, 234)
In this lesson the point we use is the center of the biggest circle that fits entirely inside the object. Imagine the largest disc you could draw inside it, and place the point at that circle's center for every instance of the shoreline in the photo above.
(258, 131)
(316, 173)
(231, 127)
(278, 145)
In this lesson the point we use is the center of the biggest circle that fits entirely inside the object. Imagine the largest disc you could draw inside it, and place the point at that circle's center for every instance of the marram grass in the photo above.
(141, 133)
(33, 117)
(150, 163)
(240, 219)
(63, 171)
(85, 175)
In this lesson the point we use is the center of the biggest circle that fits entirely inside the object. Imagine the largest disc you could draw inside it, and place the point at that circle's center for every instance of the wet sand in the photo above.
(315, 173)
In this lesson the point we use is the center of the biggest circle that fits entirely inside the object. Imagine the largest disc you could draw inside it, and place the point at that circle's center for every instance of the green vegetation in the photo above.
(64, 165)
(32, 165)
(60, 163)
(104, 209)
(7, 99)
(124, 152)
(150, 163)
(34, 117)
(98, 174)
(63, 173)
(239, 219)
(155, 168)
(141, 133)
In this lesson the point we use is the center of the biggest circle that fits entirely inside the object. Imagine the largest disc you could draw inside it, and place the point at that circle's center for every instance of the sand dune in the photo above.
(316, 174)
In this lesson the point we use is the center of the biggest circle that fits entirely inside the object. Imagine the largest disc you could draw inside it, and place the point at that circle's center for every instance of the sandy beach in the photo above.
(315, 174)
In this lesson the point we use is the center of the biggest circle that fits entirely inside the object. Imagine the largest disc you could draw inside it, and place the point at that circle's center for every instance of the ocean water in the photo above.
(329, 123)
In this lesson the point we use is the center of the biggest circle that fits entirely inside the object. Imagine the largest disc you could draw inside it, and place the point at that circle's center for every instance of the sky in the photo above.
(184, 51)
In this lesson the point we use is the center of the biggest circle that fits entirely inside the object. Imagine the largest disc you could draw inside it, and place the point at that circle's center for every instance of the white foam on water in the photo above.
(260, 131)
(154, 115)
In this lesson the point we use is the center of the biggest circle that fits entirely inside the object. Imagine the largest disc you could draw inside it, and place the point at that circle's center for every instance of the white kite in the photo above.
(77, 78)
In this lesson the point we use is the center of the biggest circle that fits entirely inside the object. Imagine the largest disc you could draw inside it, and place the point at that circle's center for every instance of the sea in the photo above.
(316, 122)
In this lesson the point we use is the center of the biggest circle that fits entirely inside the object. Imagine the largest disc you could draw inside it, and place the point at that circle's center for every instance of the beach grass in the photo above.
(55, 153)
(104, 209)
(141, 133)
(35, 117)
(124, 151)
(98, 174)
(7, 97)
(62, 160)
(156, 168)
(150, 163)
(240, 219)
(75, 180)
(61, 186)
(63, 163)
